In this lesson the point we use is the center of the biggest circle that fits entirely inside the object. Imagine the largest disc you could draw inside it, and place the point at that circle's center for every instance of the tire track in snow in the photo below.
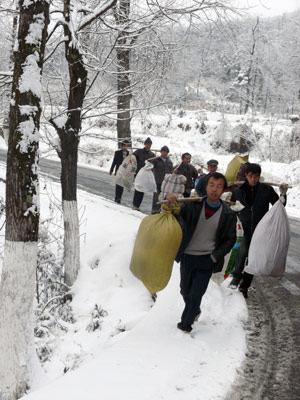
(272, 369)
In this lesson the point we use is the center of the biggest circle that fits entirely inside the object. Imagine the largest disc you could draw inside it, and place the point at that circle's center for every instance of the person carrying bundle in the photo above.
(142, 156)
(162, 166)
(256, 197)
(186, 169)
(209, 232)
(119, 157)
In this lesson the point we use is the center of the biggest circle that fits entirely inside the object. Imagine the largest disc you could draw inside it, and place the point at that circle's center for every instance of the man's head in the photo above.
(186, 158)
(148, 143)
(125, 144)
(212, 166)
(252, 174)
(164, 151)
(215, 186)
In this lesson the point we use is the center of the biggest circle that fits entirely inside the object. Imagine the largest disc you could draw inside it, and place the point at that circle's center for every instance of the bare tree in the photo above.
(68, 128)
(22, 203)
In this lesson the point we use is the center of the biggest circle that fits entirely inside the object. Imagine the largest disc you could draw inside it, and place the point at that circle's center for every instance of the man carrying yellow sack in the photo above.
(209, 233)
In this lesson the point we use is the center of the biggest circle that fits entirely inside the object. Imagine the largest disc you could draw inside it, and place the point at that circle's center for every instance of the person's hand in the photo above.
(283, 188)
(171, 198)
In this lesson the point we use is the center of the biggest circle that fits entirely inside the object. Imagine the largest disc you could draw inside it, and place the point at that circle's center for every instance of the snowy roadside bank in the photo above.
(138, 352)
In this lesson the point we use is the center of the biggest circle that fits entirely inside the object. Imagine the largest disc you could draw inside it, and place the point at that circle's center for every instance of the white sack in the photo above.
(145, 181)
(126, 171)
(269, 244)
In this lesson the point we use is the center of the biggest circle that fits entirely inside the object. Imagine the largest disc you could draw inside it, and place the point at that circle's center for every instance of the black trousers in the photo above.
(137, 198)
(118, 193)
(156, 207)
(239, 264)
(195, 273)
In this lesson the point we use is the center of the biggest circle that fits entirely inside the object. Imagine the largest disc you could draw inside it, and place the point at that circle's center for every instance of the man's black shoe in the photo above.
(234, 283)
(184, 328)
(244, 292)
(118, 201)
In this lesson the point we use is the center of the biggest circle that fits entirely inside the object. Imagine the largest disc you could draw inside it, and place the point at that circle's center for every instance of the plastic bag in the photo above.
(269, 244)
(172, 183)
(126, 171)
(156, 245)
(237, 245)
(234, 166)
(145, 181)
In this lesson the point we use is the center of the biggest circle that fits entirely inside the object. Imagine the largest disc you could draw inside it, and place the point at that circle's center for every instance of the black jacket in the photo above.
(161, 168)
(117, 161)
(262, 194)
(226, 232)
(190, 173)
(201, 185)
(142, 155)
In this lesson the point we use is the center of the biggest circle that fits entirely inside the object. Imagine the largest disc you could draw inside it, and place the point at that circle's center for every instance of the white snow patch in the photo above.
(30, 80)
(30, 134)
(34, 36)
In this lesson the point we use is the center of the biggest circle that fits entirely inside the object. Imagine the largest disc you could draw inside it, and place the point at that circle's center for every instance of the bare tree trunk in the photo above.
(68, 133)
(251, 82)
(22, 203)
(123, 77)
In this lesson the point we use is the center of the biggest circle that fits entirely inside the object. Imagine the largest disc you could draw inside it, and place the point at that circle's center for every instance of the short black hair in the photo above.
(253, 168)
(217, 175)
(185, 154)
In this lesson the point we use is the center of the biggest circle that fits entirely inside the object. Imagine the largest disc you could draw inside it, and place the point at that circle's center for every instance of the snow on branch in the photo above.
(99, 10)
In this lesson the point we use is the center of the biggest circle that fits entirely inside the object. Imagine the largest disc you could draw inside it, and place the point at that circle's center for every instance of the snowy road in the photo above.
(272, 366)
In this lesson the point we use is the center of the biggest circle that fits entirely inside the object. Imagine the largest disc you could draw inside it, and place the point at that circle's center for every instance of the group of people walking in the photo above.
(208, 225)
(162, 165)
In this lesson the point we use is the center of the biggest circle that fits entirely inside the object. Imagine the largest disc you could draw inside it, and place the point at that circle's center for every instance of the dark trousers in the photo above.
(118, 193)
(195, 273)
(239, 264)
(137, 198)
(156, 207)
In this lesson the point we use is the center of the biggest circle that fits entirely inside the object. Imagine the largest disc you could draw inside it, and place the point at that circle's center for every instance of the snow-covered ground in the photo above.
(137, 352)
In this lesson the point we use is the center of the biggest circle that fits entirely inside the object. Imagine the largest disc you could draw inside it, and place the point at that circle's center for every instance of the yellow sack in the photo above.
(156, 245)
(234, 166)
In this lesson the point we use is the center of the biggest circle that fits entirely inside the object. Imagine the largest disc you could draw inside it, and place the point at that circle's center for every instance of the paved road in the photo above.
(272, 367)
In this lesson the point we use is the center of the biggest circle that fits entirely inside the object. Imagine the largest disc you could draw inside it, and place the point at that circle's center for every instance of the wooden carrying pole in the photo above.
(191, 199)
(238, 183)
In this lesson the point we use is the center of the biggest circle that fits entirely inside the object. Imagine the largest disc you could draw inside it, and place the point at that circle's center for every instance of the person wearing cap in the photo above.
(142, 156)
(162, 166)
(212, 166)
(189, 171)
(119, 156)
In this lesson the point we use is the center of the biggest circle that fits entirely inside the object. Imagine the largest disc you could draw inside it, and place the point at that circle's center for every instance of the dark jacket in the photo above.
(256, 200)
(161, 168)
(226, 232)
(191, 175)
(201, 185)
(117, 161)
(141, 156)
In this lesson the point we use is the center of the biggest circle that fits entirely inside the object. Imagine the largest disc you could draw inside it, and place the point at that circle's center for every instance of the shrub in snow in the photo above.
(181, 113)
(53, 311)
(97, 314)
(184, 127)
(203, 128)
